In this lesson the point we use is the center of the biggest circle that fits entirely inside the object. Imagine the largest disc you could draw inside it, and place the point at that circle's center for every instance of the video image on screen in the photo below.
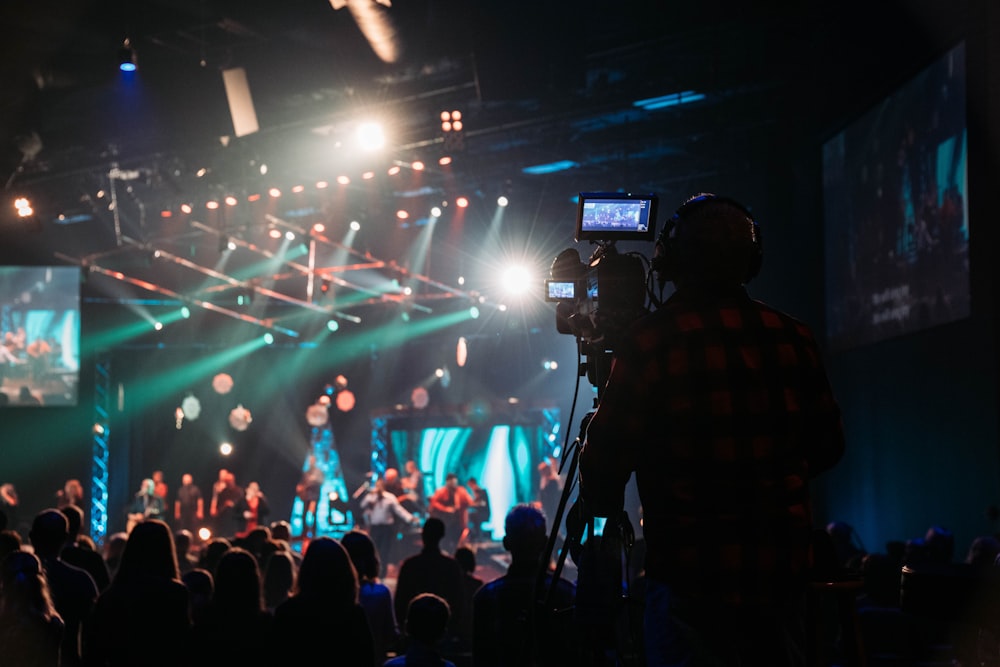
(896, 225)
(629, 216)
(39, 335)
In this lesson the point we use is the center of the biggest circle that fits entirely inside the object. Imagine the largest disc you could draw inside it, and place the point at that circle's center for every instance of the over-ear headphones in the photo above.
(670, 252)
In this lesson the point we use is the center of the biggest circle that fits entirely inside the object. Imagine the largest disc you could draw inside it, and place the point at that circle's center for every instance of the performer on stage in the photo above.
(381, 511)
(450, 504)
(225, 495)
(479, 512)
(189, 506)
(413, 499)
(252, 510)
(308, 490)
(146, 505)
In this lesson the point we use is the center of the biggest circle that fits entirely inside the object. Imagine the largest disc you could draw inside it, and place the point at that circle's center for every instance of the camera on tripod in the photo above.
(596, 301)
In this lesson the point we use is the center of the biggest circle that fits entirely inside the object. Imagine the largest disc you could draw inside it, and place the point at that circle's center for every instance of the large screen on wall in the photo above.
(39, 335)
(896, 222)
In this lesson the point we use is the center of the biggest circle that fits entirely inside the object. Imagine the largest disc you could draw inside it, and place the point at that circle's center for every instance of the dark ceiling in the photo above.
(102, 155)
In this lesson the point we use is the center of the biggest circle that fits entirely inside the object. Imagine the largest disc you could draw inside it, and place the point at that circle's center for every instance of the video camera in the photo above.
(596, 301)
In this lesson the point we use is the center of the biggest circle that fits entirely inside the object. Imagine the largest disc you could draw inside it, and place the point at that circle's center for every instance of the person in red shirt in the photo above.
(451, 503)
(721, 406)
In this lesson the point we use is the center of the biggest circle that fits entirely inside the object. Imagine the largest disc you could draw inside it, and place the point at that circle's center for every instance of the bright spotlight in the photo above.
(461, 202)
(439, 373)
(274, 233)
(185, 312)
(436, 211)
(204, 534)
(290, 235)
(502, 201)
(158, 326)
(333, 325)
(269, 338)
(417, 165)
(550, 365)
(319, 228)
(370, 136)
(474, 312)
(355, 226)
(225, 449)
(516, 280)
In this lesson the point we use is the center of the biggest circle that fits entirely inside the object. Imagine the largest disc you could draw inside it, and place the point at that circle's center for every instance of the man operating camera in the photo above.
(721, 406)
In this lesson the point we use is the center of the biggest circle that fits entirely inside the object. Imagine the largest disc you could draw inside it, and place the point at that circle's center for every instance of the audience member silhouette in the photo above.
(511, 626)
(849, 554)
(374, 596)
(10, 540)
(466, 558)
(282, 532)
(427, 621)
(78, 552)
(144, 615)
(201, 585)
(429, 571)
(113, 550)
(31, 630)
(183, 540)
(324, 611)
(983, 551)
(73, 589)
(279, 578)
(235, 627)
(213, 551)
(936, 547)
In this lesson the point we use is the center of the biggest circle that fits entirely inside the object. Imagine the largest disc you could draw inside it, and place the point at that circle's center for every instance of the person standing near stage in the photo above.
(450, 504)
(189, 506)
(146, 505)
(308, 490)
(252, 509)
(225, 496)
(383, 515)
(479, 511)
(721, 407)
(414, 498)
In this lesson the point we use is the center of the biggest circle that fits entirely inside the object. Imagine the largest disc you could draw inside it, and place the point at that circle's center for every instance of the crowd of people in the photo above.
(156, 596)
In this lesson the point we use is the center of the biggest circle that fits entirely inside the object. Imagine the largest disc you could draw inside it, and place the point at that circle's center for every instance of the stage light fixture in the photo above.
(344, 180)
(355, 226)
(23, 207)
(333, 325)
(502, 201)
(461, 202)
(417, 165)
(371, 136)
(436, 211)
(274, 233)
(269, 338)
(127, 61)
(298, 188)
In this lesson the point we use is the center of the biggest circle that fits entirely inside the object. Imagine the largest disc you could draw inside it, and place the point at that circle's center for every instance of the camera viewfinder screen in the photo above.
(611, 217)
